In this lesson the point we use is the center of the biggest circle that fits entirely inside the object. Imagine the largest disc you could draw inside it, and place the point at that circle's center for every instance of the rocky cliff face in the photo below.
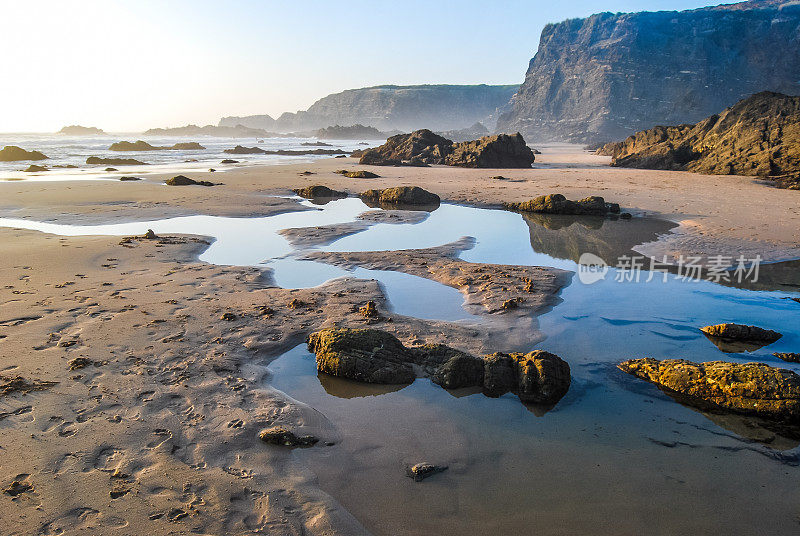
(405, 108)
(758, 136)
(607, 76)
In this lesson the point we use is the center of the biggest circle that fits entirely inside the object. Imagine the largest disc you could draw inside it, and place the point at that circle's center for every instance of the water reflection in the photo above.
(730, 346)
(344, 388)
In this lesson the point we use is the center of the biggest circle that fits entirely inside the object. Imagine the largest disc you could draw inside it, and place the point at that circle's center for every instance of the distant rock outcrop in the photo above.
(758, 136)
(749, 388)
(423, 147)
(478, 130)
(607, 76)
(239, 149)
(403, 108)
(77, 130)
(94, 160)
(144, 146)
(355, 132)
(12, 153)
(233, 131)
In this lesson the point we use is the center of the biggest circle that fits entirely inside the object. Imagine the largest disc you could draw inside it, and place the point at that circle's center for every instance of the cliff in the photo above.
(758, 136)
(610, 75)
(405, 108)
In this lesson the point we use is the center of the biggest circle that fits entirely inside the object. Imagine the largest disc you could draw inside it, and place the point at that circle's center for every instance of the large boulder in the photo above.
(558, 204)
(741, 332)
(182, 180)
(420, 148)
(401, 195)
(366, 355)
(500, 151)
(750, 388)
(12, 153)
(538, 377)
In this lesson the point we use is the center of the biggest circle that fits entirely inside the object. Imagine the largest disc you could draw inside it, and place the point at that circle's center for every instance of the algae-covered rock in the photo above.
(789, 357)
(460, 370)
(12, 153)
(282, 436)
(402, 195)
(538, 377)
(499, 151)
(310, 192)
(750, 388)
(741, 332)
(558, 204)
(421, 471)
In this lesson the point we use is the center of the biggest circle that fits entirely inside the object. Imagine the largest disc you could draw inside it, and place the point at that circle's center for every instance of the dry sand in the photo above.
(154, 429)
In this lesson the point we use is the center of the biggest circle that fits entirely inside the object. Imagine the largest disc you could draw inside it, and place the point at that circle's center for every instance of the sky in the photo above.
(130, 66)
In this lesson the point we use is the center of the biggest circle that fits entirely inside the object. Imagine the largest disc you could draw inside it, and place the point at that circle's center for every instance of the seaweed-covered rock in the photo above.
(366, 355)
(12, 153)
(359, 174)
(499, 151)
(789, 357)
(310, 192)
(33, 168)
(558, 204)
(282, 436)
(182, 180)
(538, 377)
(92, 160)
(741, 332)
(460, 370)
(402, 195)
(750, 388)
(420, 148)
(421, 471)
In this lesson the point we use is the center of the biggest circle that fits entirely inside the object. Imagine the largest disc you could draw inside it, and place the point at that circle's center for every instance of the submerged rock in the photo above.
(789, 357)
(92, 160)
(182, 180)
(402, 195)
(318, 190)
(750, 388)
(740, 332)
(375, 356)
(282, 436)
(12, 153)
(558, 204)
(359, 174)
(421, 471)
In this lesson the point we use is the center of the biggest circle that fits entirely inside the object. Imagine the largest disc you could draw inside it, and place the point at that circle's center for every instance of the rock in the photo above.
(423, 470)
(245, 150)
(188, 146)
(402, 195)
(757, 136)
(297, 304)
(124, 179)
(369, 310)
(607, 76)
(229, 161)
(360, 174)
(510, 304)
(558, 204)
(537, 377)
(353, 132)
(77, 130)
(420, 148)
(33, 168)
(181, 180)
(477, 130)
(499, 151)
(750, 388)
(739, 332)
(144, 146)
(12, 153)
(310, 192)
(110, 169)
(92, 160)
(282, 152)
(789, 357)
(228, 317)
(460, 370)
(281, 436)
(150, 235)
(316, 144)
(79, 363)
(366, 355)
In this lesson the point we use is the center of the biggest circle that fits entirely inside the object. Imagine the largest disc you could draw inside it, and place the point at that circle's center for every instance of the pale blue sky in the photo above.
(127, 66)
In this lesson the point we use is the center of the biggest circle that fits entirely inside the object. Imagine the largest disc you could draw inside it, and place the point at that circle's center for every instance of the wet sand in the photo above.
(157, 432)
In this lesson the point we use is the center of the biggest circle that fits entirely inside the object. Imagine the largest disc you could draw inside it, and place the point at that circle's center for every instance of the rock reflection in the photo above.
(343, 388)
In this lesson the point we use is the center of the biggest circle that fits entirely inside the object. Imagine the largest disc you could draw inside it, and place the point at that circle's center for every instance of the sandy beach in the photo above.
(134, 376)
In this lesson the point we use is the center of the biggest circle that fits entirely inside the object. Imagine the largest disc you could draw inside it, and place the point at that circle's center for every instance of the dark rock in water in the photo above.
(150, 235)
(360, 174)
(181, 180)
(110, 169)
(423, 470)
(626, 216)
(758, 136)
(315, 144)
(245, 150)
(92, 160)
(500, 151)
(789, 357)
(341, 156)
(607, 76)
(33, 168)
(751, 388)
(284, 437)
(144, 146)
(188, 146)
(740, 332)
(374, 356)
(229, 161)
(558, 204)
(402, 195)
(537, 377)
(318, 190)
(211, 170)
(12, 153)
(366, 355)
(124, 179)
(420, 148)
